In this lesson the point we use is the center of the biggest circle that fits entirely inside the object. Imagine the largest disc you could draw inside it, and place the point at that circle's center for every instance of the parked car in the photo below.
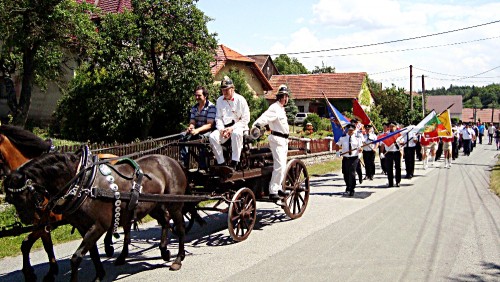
(299, 118)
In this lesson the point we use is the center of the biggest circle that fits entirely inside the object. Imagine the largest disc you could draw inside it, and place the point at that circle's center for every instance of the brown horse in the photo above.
(57, 175)
(17, 147)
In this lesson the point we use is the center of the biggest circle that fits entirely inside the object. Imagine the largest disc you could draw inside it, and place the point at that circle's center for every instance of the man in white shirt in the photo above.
(275, 116)
(409, 143)
(351, 147)
(393, 158)
(369, 151)
(491, 131)
(467, 135)
(231, 120)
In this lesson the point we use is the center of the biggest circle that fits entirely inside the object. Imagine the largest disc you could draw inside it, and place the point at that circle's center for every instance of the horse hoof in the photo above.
(175, 266)
(109, 251)
(165, 254)
(29, 275)
(120, 261)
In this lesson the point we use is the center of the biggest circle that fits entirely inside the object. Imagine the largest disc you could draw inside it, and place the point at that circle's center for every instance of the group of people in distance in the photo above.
(228, 119)
(357, 144)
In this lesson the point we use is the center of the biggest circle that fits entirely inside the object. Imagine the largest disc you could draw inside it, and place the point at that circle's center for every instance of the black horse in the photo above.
(64, 179)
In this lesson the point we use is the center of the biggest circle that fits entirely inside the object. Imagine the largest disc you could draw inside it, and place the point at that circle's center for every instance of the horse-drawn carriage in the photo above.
(157, 187)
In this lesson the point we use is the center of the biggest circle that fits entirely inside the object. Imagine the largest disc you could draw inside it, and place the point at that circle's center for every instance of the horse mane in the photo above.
(50, 167)
(26, 142)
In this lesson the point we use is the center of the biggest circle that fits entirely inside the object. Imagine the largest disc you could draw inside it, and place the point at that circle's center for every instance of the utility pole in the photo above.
(492, 110)
(423, 96)
(411, 87)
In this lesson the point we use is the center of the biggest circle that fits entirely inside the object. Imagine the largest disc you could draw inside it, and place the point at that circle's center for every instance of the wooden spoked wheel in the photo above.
(242, 214)
(296, 185)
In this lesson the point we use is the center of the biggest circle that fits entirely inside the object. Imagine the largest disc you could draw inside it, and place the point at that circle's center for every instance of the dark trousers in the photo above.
(480, 138)
(382, 163)
(418, 151)
(490, 138)
(466, 143)
(393, 161)
(369, 159)
(439, 150)
(359, 172)
(409, 160)
(454, 148)
(349, 165)
(185, 154)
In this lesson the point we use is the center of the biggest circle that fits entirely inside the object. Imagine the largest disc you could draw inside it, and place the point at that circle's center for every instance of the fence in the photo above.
(160, 146)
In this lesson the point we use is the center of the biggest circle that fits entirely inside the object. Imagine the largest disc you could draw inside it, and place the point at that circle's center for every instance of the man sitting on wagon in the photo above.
(231, 120)
(275, 116)
(201, 124)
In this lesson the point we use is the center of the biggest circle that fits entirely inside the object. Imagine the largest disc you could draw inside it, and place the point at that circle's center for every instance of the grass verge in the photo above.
(324, 167)
(11, 246)
(495, 178)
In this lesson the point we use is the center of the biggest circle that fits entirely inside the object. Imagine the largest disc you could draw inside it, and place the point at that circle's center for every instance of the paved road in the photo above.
(443, 225)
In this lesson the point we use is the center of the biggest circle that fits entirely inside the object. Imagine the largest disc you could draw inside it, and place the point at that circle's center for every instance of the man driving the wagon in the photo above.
(231, 120)
(275, 117)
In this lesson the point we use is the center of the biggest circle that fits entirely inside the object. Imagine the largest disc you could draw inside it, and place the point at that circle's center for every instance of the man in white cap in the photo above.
(275, 117)
(231, 120)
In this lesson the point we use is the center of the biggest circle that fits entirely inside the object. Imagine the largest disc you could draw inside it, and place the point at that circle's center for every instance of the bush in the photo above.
(314, 119)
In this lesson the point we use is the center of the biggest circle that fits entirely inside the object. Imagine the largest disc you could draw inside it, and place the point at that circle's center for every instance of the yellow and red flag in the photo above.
(444, 128)
(430, 129)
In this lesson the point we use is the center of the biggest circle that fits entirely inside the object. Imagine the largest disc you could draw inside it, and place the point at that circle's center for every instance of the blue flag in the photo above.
(338, 121)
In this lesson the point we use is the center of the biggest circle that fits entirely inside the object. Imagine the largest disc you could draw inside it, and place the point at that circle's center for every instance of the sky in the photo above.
(456, 42)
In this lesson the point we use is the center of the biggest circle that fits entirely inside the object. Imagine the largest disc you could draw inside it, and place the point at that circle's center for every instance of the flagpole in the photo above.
(329, 105)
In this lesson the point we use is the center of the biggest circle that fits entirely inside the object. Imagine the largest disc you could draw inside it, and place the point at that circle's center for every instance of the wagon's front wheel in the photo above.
(296, 185)
(242, 214)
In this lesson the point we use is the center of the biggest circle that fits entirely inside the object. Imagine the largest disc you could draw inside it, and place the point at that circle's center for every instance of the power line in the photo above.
(399, 50)
(388, 42)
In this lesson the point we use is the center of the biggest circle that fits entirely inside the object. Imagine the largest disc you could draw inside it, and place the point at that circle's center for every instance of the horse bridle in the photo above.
(40, 199)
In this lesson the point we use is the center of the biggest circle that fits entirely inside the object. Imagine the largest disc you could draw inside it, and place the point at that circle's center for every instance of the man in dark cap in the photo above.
(351, 147)
(381, 148)
(369, 152)
(393, 158)
(359, 134)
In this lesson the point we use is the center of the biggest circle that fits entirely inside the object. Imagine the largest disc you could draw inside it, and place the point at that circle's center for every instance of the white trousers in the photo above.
(279, 149)
(236, 144)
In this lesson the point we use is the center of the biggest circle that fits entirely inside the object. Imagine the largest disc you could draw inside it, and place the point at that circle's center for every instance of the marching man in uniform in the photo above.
(351, 147)
(369, 152)
(276, 117)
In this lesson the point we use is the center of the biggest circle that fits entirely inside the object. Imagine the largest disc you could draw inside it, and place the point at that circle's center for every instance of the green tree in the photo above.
(35, 38)
(323, 69)
(395, 105)
(287, 65)
(139, 80)
(291, 108)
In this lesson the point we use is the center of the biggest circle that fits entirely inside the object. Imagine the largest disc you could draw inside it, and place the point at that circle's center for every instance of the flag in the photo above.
(430, 129)
(444, 129)
(390, 137)
(359, 113)
(418, 128)
(337, 119)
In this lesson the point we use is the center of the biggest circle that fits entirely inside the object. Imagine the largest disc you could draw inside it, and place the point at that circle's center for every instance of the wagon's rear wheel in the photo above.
(242, 214)
(296, 184)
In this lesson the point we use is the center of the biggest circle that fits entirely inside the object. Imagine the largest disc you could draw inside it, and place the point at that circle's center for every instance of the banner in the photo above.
(390, 137)
(359, 113)
(430, 129)
(337, 119)
(444, 129)
(419, 127)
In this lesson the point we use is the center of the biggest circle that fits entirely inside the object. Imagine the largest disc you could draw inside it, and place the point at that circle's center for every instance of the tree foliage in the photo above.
(323, 69)
(472, 96)
(139, 80)
(35, 38)
(395, 105)
(287, 65)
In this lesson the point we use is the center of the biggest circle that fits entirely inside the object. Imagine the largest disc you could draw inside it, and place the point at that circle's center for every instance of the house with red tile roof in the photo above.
(110, 6)
(306, 90)
(483, 115)
(266, 65)
(227, 59)
(440, 103)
